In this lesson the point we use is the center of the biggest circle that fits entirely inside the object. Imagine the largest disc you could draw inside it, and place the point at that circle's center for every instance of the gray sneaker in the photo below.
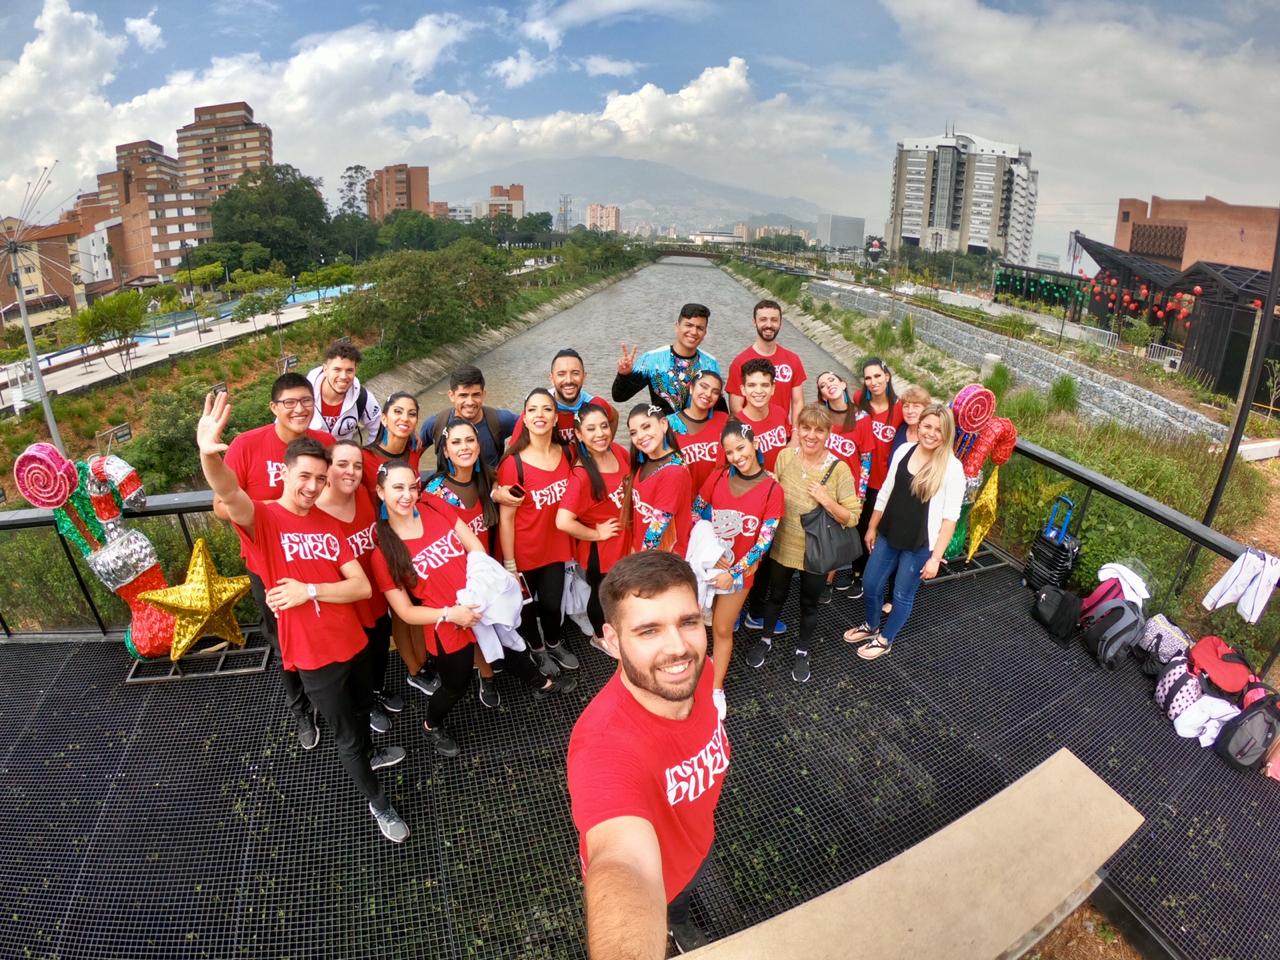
(489, 695)
(309, 730)
(379, 722)
(561, 655)
(687, 937)
(391, 824)
(386, 757)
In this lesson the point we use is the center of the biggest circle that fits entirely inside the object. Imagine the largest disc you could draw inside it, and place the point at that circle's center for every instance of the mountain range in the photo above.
(646, 192)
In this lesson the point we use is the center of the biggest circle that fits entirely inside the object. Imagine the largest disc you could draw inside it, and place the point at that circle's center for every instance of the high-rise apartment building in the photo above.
(965, 193)
(839, 232)
(219, 145)
(508, 200)
(398, 187)
(607, 218)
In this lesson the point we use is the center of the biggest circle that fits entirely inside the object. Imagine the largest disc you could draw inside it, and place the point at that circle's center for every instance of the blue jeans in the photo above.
(905, 567)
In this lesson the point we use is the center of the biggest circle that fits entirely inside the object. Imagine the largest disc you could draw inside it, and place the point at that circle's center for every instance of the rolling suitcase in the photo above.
(1053, 555)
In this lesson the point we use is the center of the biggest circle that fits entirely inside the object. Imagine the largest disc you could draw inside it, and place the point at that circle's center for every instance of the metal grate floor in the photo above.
(182, 820)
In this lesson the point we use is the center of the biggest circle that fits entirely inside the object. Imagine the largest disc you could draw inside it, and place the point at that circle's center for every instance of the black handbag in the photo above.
(828, 544)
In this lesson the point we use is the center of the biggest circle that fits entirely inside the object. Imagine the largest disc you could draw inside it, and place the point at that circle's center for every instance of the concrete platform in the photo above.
(971, 891)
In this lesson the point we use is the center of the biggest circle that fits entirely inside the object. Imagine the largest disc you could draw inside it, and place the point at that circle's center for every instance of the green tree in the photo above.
(254, 256)
(209, 275)
(409, 230)
(242, 281)
(278, 207)
(230, 255)
(326, 278)
(535, 223)
(111, 324)
(355, 235)
(352, 198)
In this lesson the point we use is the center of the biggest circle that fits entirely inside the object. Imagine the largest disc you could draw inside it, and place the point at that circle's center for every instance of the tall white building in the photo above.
(841, 232)
(965, 193)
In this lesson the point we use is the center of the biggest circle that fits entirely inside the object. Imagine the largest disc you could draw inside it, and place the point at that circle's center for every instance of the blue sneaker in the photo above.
(755, 623)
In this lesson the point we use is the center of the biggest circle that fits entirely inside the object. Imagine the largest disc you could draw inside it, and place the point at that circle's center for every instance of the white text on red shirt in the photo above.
(309, 546)
(690, 779)
(550, 494)
(437, 554)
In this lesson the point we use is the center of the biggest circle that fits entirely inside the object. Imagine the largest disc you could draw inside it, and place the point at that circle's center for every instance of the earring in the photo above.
(382, 511)
(760, 458)
(448, 467)
(415, 513)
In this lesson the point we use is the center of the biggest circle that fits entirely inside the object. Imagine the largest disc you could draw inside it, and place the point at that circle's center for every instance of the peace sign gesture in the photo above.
(627, 362)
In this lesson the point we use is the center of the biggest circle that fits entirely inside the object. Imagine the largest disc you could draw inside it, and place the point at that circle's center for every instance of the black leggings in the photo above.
(455, 676)
(294, 693)
(595, 612)
(546, 583)
(778, 579)
(379, 649)
(343, 695)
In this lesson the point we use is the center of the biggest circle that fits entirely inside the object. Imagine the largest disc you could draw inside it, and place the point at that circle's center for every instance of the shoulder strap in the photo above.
(495, 430)
(830, 470)
(362, 403)
(519, 468)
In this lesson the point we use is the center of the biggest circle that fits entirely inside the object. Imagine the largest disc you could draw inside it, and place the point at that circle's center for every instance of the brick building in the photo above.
(508, 200)
(607, 218)
(219, 145)
(398, 187)
(1177, 233)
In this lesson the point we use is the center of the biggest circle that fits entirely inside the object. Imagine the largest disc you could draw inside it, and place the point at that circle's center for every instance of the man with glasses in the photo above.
(256, 457)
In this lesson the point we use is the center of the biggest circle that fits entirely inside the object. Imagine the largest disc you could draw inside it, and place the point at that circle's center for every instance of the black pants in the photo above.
(864, 521)
(778, 578)
(454, 670)
(595, 612)
(295, 694)
(678, 909)
(379, 649)
(547, 586)
(343, 695)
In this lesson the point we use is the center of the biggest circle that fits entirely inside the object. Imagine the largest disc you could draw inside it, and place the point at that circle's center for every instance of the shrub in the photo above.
(1000, 381)
(1062, 395)
(907, 333)
(885, 336)
(846, 327)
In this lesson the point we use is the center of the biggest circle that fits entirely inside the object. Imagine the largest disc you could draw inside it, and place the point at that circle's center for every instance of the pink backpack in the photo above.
(1103, 592)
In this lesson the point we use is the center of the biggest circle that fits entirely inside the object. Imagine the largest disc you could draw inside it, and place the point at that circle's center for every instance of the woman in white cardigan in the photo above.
(915, 514)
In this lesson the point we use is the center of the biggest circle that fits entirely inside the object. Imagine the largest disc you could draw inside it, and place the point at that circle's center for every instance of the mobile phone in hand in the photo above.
(516, 490)
(525, 595)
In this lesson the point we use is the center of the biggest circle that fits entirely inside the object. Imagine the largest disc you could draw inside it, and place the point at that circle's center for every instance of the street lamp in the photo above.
(12, 247)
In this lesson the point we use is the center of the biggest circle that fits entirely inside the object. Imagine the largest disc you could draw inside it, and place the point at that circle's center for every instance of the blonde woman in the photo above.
(916, 511)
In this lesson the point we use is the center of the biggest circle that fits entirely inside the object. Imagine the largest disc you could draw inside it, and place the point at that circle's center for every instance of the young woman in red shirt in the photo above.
(699, 425)
(344, 498)
(875, 430)
(744, 504)
(659, 492)
(463, 486)
(591, 511)
(397, 438)
(537, 465)
(420, 566)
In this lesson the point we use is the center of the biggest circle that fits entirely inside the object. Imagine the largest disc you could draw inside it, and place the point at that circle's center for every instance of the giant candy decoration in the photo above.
(87, 500)
(979, 434)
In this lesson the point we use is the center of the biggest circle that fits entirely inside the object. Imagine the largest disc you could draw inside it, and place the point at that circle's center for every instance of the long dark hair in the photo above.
(638, 459)
(521, 442)
(864, 395)
(703, 372)
(585, 460)
(377, 445)
(393, 549)
(733, 427)
(481, 478)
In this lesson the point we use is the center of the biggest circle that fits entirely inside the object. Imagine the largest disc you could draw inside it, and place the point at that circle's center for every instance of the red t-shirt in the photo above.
(373, 460)
(310, 549)
(701, 451)
(538, 542)
(845, 446)
(875, 432)
(440, 561)
(256, 457)
(627, 762)
(669, 489)
(330, 411)
(362, 538)
(442, 497)
(738, 519)
(788, 372)
(772, 433)
(565, 423)
(590, 511)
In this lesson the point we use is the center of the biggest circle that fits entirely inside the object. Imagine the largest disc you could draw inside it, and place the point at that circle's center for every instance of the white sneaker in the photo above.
(717, 697)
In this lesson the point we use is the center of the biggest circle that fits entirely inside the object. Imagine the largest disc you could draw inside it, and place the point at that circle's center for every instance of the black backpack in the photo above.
(1111, 629)
(1245, 740)
(1058, 611)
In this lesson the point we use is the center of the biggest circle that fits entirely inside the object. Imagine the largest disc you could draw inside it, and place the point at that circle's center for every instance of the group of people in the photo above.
(430, 532)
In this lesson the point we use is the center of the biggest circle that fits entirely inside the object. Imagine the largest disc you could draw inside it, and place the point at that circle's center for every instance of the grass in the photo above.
(1062, 395)
(907, 333)
(885, 337)
(1000, 380)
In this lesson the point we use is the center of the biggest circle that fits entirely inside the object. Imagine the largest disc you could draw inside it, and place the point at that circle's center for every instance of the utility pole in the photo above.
(15, 278)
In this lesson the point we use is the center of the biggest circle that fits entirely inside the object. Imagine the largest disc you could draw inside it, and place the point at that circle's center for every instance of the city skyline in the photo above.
(741, 95)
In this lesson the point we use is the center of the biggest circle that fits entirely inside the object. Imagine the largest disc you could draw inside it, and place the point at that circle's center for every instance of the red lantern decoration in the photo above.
(1159, 314)
(1257, 304)
(1113, 282)
(1178, 295)
(1182, 314)
(1170, 305)
(1097, 298)
(1133, 307)
(1125, 298)
(1096, 288)
(1187, 324)
(1143, 292)
(1197, 290)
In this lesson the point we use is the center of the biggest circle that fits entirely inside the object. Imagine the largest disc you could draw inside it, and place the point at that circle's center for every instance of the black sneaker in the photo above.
(444, 744)
(757, 652)
(561, 655)
(800, 668)
(855, 589)
(309, 730)
(391, 824)
(826, 595)
(687, 937)
(489, 695)
(424, 682)
(386, 757)
(561, 684)
(390, 702)
(379, 722)
(546, 663)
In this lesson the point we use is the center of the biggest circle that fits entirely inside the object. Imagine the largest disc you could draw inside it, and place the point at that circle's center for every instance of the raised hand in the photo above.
(217, 411)
(627, 361)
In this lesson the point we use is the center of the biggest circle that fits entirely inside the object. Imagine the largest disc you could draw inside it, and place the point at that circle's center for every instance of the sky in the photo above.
(804, 98)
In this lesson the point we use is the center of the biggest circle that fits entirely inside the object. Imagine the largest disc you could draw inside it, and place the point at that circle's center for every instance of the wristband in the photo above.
(444, 615)
(510, 566)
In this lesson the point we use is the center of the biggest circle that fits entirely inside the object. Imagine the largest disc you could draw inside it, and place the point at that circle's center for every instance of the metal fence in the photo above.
(1166, 356)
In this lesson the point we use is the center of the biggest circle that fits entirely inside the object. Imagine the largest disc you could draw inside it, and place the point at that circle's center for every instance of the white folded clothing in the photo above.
(497, 595)
(704, 552)
(1132, 585)
(1204, 719)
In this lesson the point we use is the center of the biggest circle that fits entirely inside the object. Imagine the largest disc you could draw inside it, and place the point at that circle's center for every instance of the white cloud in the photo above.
(597, 65)
(523, 68)
(145, 31)
(549, 21)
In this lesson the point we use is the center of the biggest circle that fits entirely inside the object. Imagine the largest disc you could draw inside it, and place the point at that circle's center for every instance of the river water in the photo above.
(640, 309)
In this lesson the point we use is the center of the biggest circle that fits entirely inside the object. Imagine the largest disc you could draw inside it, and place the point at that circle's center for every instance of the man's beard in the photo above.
(651, 684)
